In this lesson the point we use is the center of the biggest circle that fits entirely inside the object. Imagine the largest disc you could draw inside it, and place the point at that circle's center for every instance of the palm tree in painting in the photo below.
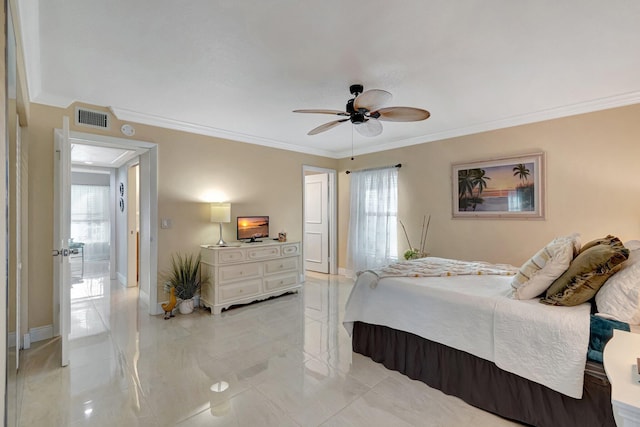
(480, 182)
(524, 189)
(465, 188)
(471, 183)
(521, 171)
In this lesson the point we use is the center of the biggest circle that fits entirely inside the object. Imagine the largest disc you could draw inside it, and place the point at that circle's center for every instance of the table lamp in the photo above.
(221, 213)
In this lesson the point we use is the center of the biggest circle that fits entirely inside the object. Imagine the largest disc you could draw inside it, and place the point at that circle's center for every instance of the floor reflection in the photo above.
(90, 299)
(281, 362)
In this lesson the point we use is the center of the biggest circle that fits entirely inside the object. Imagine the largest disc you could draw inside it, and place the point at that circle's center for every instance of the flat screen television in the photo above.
(252, 228)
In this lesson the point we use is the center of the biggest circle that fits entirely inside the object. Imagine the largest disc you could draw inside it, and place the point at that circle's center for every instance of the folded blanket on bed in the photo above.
(600, 333)
(441, 267)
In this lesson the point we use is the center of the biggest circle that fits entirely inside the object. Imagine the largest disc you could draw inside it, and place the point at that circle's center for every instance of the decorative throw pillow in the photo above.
(537, 274)
(602, 241)
(619, 297)
(586, 274)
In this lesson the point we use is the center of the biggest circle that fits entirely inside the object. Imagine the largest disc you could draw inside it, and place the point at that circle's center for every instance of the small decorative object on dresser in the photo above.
(185, 278)
(247, 272)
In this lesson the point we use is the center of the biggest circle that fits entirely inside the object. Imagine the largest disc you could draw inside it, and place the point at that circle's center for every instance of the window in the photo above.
(90, 220)
(373, 223)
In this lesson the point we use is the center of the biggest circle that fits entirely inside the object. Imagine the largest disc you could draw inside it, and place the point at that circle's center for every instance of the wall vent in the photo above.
(92, 118)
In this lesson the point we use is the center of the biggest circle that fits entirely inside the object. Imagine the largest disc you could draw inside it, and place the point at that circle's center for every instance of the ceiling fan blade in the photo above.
(326, 126)
(371, 127)
(402, 114)
(372, 99)
(338, 112)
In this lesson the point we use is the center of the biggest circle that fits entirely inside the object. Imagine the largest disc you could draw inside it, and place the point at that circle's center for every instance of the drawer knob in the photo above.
(281, 266)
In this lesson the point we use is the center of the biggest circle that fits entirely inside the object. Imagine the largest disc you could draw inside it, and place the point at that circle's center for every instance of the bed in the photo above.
(457, 328)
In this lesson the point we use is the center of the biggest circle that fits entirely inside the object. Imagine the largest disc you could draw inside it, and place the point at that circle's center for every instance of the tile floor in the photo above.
(281, 362)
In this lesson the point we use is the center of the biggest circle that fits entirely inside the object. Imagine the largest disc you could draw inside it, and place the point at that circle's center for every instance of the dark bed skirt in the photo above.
(481, 383)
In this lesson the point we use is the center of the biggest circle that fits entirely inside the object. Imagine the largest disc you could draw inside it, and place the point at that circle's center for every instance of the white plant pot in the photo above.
(186, 306)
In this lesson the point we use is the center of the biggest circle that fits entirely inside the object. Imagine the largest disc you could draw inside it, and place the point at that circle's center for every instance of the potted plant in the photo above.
(184, 277)
(415, 253)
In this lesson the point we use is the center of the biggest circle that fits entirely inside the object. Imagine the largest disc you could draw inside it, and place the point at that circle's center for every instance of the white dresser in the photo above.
(620, 355)
(247, 272)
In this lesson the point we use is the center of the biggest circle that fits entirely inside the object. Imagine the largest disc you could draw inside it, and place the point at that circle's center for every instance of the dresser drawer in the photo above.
(230, 273)
(281, 265)
(293, 249)
(239, 290)
(273, 283)
(263, 253)
(231, 255)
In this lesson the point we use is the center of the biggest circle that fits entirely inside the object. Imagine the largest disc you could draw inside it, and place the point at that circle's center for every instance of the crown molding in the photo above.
(148, 119)
(523, 119)
(539, 116)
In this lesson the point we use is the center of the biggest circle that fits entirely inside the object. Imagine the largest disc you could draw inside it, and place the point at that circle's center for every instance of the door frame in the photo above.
(148, 161)
(333, 214)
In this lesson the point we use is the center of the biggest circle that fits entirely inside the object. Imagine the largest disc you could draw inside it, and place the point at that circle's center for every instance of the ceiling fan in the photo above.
(364, 111)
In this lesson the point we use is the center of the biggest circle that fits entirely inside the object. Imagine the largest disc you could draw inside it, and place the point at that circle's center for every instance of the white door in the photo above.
(131, 203)
(316, 222)
(62, 236)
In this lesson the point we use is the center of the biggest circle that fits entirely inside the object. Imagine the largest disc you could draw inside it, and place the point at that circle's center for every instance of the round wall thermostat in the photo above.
(128, 130)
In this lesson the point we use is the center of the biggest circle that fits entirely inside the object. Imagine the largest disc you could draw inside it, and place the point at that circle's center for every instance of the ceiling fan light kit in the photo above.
(365, 113)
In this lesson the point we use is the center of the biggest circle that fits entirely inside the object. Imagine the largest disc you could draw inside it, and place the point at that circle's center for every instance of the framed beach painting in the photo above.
(510, 187)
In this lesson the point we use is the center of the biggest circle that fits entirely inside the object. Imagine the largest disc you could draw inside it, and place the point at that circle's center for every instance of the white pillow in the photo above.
(619, 297)
(539, 272)
(632, 245)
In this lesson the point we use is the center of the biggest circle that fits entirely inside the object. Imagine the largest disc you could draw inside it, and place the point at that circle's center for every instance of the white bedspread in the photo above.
(476, 314)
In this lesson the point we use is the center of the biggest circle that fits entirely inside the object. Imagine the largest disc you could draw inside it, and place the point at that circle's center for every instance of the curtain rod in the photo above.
(399, 165)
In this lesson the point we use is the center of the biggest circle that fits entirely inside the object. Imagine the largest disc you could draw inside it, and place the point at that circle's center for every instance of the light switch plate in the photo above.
(165, 223)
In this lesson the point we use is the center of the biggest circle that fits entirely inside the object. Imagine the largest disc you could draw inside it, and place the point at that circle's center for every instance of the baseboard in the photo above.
(25, 344)
(122, 279)
(345, 272)
(40, 333)
(26, 341)
(159, 309)
(11, 339)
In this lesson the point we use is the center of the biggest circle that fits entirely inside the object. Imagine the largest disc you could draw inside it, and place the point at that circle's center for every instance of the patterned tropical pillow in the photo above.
(537, 274)
(587, 273)
(602, 241)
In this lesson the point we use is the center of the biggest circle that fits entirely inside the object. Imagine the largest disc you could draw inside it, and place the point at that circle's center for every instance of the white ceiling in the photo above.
(83, 154)
(237, 69)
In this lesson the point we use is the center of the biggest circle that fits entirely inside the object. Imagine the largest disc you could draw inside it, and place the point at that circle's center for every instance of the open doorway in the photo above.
(89, 150)
(90, 247)
(319, 219)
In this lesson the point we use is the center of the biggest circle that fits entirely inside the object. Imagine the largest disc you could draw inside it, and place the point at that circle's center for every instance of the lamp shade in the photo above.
(220, 212)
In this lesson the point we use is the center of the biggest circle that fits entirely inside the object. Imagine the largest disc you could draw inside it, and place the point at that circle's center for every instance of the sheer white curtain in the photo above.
(90, 222)
(373, 223)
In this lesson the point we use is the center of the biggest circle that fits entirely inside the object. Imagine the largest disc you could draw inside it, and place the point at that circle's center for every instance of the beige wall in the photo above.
(590, 164)
(257, 180)
(591, 180)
